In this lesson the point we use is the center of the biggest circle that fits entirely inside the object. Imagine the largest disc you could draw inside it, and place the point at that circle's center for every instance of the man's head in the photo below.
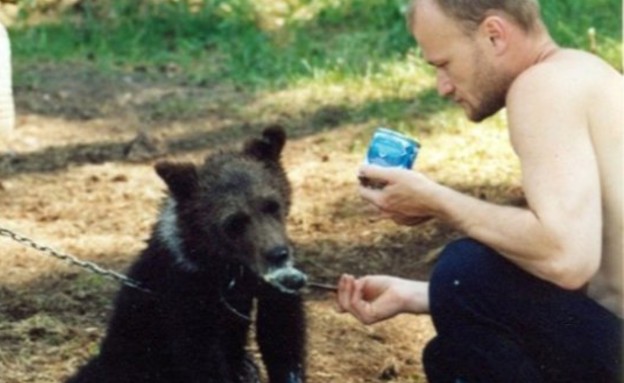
(476, 46)
(470, 13)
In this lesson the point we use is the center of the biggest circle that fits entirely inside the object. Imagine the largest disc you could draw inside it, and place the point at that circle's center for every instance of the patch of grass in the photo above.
(171, 107)
(267, 42)
(324, 61)
(570, 22)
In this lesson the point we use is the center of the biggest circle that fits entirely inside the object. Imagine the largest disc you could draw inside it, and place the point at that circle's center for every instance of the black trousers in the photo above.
(497, 323)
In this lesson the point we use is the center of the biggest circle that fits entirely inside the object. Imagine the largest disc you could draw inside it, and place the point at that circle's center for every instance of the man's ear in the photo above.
(269, 147)
(181, 178)
(495, 29)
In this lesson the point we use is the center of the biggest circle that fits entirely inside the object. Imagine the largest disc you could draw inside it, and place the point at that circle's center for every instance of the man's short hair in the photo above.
(470, 13)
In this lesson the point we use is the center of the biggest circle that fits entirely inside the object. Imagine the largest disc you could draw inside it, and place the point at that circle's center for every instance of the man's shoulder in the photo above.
(565, 69)
(566, 74)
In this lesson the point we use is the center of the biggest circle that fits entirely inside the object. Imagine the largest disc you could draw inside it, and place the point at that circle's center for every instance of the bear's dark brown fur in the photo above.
(220, 242)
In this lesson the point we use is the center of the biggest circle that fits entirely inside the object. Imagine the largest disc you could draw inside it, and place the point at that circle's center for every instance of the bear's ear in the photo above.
(181, 179)
(269, 147)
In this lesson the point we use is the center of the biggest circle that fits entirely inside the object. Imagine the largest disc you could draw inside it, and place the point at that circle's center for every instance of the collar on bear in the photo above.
(239, 273)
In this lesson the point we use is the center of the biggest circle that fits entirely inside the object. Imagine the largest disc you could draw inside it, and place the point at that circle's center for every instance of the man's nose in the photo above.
(444, 84)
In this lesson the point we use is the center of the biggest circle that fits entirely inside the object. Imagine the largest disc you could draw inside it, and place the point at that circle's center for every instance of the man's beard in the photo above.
(492, 85)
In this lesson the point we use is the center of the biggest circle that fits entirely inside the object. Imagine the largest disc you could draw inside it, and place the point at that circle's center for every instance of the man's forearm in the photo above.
(515, 232)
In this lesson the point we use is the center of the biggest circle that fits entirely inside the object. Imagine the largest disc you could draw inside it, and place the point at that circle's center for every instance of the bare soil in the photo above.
(77, 174)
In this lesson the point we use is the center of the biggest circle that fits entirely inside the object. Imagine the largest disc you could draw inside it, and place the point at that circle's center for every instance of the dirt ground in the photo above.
(77, 175)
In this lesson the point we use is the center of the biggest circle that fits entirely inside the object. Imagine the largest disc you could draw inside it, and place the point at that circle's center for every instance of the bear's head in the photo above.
(232, 210)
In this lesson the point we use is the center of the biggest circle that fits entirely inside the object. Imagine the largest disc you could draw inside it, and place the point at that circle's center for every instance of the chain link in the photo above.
(107, 273)
(90, 266)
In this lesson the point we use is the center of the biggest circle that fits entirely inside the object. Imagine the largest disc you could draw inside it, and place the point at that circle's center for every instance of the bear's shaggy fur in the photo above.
(216, 247)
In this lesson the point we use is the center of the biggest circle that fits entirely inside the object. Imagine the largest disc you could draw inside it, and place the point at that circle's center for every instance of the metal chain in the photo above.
(107, 273)
(94, 268)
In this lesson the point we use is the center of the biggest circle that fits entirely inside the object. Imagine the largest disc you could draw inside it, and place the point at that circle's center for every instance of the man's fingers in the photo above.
(361, 307)
(409, 221)
(369, 194)
(356, 295)
(350, 298)
(345, 289)
(374, 172)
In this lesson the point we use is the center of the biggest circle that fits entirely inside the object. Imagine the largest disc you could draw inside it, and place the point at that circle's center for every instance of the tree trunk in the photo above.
(7, 108)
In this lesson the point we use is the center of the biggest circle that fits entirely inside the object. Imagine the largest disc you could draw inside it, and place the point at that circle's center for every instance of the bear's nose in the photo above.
(277, 256)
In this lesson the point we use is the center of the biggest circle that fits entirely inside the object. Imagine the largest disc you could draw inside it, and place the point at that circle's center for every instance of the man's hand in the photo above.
(375, 298)
(404, 197)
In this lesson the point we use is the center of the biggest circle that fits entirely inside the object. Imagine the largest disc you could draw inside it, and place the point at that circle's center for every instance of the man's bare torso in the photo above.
(605, 112)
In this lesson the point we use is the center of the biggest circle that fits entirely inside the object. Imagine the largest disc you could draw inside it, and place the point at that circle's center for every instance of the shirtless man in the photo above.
(534, 294)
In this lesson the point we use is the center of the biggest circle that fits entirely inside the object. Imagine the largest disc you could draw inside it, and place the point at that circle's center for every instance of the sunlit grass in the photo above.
(299, 57)
(269, 42)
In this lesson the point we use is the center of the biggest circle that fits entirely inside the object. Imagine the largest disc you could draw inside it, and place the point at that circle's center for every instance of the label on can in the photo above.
(389, 148)
(392, 149)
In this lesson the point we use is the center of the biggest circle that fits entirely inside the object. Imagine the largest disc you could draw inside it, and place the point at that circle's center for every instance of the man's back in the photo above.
(566, 123)
(605, 110)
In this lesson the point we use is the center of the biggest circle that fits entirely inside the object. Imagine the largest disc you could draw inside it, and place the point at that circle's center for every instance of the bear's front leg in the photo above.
(199, 355)
(281, 334)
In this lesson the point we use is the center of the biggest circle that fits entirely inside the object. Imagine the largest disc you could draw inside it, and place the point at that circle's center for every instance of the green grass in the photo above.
(267, 42)
(569, 22)
(354, 59)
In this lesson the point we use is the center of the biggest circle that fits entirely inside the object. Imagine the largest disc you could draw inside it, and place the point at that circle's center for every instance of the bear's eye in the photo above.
(236, 224)
(271, 207)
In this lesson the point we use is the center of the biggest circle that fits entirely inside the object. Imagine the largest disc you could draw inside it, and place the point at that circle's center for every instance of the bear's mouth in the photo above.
(288, 280)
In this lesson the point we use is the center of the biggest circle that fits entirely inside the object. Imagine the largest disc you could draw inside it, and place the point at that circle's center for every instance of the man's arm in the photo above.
(549, 131)
(558, 237)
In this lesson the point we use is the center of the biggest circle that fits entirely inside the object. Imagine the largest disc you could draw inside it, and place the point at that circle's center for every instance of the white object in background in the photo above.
(7, 107)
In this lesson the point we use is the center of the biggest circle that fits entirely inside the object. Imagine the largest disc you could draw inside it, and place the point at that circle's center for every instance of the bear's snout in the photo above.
(277, 256)
(287, 279)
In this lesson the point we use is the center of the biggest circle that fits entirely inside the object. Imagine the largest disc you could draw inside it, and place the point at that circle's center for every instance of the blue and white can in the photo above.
(390, 148)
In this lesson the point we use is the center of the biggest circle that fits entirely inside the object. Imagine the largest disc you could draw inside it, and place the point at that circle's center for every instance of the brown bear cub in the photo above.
(219, 244)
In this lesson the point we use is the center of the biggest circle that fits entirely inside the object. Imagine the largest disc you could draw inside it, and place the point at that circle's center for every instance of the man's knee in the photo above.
(464, 252)
(464, 276)
(465, 261)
